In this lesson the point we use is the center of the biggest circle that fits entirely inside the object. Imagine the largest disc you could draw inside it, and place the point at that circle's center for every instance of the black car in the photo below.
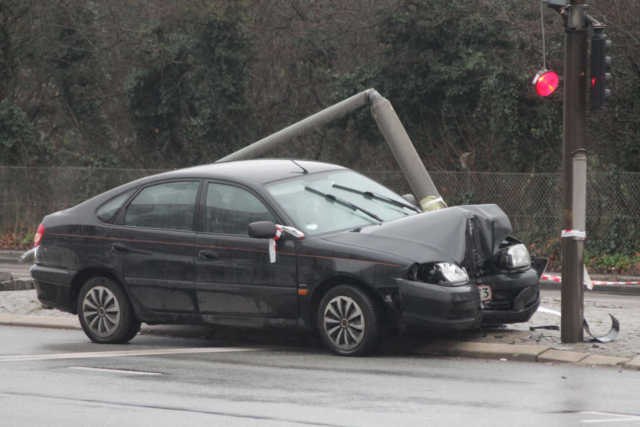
(277, 243)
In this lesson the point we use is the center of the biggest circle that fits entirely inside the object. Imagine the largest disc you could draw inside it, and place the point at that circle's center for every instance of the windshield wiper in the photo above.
(377, 196)
(342, 202)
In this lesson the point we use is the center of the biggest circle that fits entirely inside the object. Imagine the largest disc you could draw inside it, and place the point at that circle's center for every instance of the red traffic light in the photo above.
(546, 82)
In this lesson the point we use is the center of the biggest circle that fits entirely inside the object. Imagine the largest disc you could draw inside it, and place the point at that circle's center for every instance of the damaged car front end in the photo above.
(468, 271)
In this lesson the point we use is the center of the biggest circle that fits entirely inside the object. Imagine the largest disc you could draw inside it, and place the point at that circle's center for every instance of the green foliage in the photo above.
(17, 142)
(455, 75)
(189, 100)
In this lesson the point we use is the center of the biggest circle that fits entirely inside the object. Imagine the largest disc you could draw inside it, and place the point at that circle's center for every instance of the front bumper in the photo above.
(439, 307)
(516, 297)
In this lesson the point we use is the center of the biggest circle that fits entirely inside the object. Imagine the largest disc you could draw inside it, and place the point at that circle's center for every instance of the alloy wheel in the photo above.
(344, 323)
(101, 311)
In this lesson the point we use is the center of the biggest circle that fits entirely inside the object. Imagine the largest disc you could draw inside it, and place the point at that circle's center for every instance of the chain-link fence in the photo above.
(532, 201)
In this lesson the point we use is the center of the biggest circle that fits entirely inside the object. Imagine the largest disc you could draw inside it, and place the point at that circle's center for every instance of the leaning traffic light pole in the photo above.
(574, 161)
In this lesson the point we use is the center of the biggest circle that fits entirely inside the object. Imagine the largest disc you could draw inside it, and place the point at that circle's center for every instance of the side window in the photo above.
(170, 205)
(108, 210)
(230, 210)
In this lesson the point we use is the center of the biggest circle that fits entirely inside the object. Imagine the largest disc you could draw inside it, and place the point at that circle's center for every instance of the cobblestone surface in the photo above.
(627, 344)
(624, 308)
(25, 302)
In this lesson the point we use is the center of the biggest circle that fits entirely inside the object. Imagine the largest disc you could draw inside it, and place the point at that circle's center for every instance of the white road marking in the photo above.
(115, 371)
(613, 300)
(90, 355)
(621, 417)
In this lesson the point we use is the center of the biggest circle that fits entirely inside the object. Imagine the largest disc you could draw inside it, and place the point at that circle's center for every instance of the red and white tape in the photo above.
(595, 282)
(273, 248)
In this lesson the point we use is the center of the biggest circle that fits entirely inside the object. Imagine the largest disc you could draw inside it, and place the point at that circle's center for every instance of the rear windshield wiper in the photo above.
(342, 202)
(377, 196)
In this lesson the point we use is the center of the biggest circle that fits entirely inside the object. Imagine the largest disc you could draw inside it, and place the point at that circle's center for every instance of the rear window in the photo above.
(108, 210)
(170, 206)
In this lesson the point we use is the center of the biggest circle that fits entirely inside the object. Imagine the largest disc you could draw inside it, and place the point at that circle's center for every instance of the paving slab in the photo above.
(559, 356)
(604, 360)
(497, 351)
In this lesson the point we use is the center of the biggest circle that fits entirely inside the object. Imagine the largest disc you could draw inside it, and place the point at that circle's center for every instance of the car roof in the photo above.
(261, 170)
(245, 171)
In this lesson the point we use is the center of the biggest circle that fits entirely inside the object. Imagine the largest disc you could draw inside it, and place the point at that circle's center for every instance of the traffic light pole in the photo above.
(574, 182)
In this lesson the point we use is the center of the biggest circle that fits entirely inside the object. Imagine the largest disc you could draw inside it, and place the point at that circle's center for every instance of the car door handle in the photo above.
(119, 248)
(208, 255)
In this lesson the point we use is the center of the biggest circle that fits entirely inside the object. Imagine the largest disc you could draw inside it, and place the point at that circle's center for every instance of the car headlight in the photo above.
(440, 273)
(517, 257)
(452, 273)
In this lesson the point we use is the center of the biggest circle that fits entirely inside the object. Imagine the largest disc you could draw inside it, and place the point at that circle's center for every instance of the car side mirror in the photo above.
(411, 199)
(262, 230)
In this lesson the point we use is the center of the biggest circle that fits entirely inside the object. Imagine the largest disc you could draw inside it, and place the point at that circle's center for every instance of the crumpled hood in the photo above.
(465, 235)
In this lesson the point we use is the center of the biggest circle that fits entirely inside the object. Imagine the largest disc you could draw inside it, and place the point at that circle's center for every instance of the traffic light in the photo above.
(600, 68)
(546, 82)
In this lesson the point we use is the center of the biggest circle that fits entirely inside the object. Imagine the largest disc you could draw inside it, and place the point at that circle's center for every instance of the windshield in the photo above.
(315, 213)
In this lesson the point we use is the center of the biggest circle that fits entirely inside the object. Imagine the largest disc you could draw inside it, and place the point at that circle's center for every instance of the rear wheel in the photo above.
(105, 313)
(349, 321)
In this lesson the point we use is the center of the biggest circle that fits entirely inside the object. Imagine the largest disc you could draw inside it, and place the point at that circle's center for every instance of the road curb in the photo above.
(476, 350)
(39, 321)
(525, 353)
(185, 331)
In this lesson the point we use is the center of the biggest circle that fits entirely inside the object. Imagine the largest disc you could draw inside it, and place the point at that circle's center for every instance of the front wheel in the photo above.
(105, 313)
(349, 321)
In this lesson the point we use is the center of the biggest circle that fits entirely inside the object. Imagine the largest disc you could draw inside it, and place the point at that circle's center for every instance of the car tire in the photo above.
(105, 313)
(349, 321)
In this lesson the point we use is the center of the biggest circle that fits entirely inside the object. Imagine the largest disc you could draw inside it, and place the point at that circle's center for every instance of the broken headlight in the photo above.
(515, 257)
(442, 273)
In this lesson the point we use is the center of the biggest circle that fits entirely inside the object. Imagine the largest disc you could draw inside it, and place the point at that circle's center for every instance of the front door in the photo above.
(234, 274)
(152, 245)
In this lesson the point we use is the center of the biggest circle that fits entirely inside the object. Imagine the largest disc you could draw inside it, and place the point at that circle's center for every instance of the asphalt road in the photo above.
(59, 378)
(18, 271)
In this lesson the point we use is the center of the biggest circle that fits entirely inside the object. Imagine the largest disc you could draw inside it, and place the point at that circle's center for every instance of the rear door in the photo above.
(152, 245)
(234, 274)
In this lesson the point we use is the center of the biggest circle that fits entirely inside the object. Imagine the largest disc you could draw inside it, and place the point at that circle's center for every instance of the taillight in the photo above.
(38, 236)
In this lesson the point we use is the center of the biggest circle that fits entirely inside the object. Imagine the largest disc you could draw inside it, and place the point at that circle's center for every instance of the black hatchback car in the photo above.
(270, 243)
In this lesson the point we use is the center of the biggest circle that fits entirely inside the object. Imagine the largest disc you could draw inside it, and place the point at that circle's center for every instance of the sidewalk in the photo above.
(625, 308)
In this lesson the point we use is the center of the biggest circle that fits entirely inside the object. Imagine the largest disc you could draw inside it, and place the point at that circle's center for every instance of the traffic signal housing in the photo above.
(600, 69)
(546, 82)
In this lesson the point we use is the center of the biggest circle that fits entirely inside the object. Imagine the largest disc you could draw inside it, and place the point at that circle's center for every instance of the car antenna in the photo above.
(304, 171)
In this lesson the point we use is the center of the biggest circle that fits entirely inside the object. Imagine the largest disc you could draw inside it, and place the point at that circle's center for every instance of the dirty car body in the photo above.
(178, 246)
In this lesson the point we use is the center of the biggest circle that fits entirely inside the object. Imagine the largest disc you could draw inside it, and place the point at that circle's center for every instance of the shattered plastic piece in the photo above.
(549, 327)
(610, 336)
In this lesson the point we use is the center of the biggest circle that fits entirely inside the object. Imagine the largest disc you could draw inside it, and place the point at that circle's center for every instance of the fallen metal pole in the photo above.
(287, 134)
(405, 153)
(390, 126)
